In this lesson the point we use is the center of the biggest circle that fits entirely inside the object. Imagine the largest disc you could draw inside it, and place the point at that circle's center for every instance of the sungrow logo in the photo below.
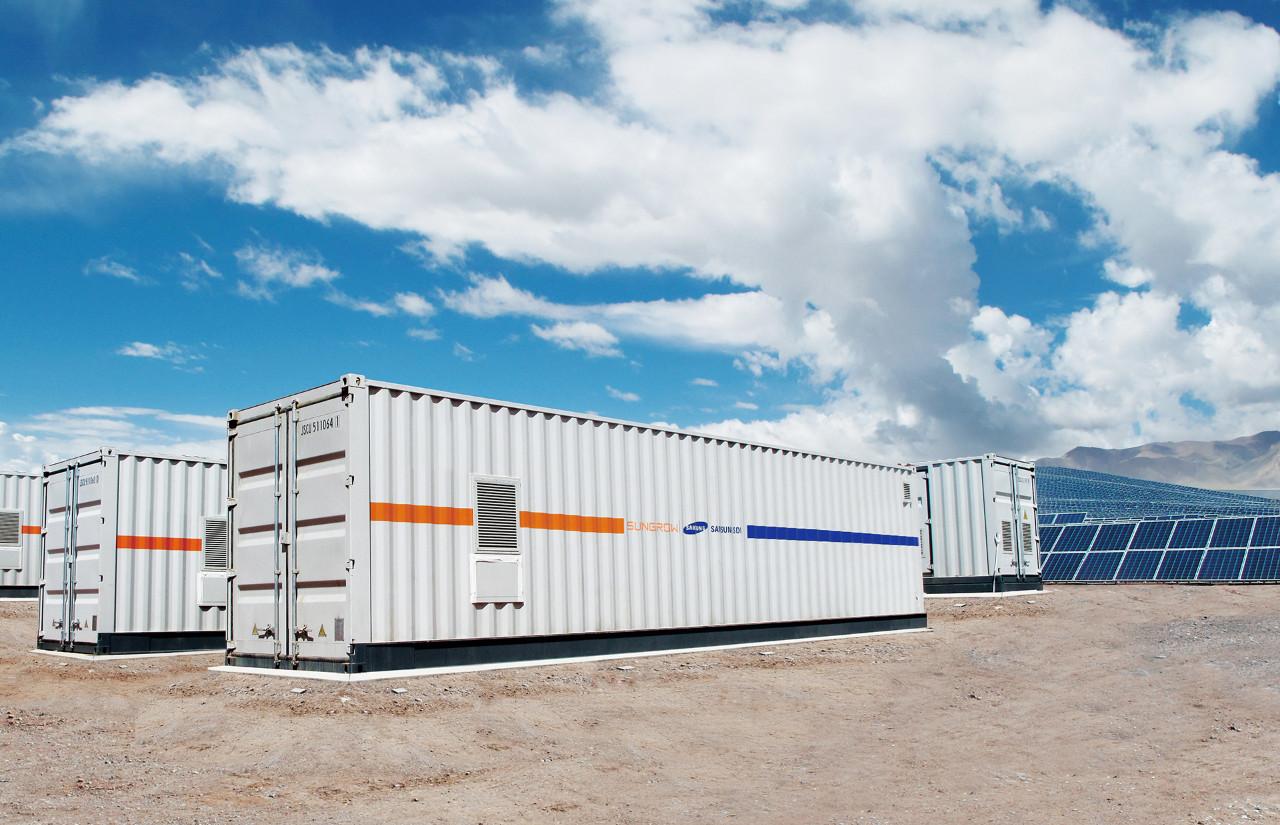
(693, 528)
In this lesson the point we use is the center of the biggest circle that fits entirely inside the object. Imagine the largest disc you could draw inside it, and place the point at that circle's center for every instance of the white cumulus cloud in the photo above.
(411, 303)
(176, 354)
(43, 438)
(831, 172)
(586, 336)
(270, 269)
(621, 395)
(112, 269)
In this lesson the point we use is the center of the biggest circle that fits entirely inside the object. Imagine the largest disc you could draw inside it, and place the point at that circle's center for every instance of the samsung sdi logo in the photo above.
(693, 528)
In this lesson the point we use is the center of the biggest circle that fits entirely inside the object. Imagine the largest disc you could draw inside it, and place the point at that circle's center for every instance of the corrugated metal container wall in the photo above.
(155, 589)
(125, 554)
(961, 539)
(425, 450)
(373, 514)
(982, 524)
(20, 510)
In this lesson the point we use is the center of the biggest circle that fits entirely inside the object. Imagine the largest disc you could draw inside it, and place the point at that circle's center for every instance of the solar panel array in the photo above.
(1185, 550)
(1067, 496)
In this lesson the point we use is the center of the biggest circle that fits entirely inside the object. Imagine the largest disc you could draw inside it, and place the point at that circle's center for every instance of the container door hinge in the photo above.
(351, 480)
(351, 565)
(285, 538)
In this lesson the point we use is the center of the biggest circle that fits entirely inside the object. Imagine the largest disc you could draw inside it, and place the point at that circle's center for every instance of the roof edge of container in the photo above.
(19, 474)
(102, 452)
(353, 379)
(1026, 462)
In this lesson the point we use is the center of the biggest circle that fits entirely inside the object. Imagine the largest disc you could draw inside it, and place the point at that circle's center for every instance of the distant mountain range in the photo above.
(1248, 464)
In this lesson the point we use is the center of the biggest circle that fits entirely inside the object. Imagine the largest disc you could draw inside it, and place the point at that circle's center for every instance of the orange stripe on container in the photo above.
(157, 543)
(574, 524)
(31, 529)
(420, 514)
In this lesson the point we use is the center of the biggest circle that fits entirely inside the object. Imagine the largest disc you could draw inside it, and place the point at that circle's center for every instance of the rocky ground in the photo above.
(1145, 704)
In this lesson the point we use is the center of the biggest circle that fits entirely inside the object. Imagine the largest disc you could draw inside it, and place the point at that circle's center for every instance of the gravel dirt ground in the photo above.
(1136, 704)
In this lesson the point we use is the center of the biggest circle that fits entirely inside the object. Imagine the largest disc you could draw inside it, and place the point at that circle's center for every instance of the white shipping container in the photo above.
(980, 528)
(379, 527)
(135, 554)
(20, 510)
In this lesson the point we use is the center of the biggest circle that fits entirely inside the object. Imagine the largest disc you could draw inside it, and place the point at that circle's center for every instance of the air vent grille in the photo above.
(906, 492)
(1027, 538)
(217, 551)
(10, 528)
(1006, 536)
(497, 517)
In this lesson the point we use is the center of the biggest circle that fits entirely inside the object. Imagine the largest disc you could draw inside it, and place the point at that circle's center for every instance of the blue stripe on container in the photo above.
(760, 531)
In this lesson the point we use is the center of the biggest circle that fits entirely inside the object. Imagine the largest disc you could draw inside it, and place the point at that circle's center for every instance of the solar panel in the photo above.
(1232, 532)
(1061, 567)
(1191, 534)
(1066, 491)
(1160, 532)
(1139, 565)
(1262, 564)
(1113, 537)
(1092, 552)
(1048, 535)
(1076, 538)
(1152, 535)
(1267, 533)
(1221, 565)
(1099, 567)
(1179, 565)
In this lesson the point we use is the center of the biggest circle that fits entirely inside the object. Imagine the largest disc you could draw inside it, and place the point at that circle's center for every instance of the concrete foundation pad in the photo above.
(1008, 594)
(441, 671)
(112, 657)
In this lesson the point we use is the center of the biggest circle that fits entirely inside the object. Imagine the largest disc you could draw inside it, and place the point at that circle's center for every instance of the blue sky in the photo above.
(892, 230)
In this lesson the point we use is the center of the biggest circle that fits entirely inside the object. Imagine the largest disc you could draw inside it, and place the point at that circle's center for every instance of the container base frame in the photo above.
(480, 653)
(967, 585)
(117, 643)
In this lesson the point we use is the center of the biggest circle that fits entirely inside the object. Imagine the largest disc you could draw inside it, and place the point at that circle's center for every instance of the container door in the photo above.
(257, 529)
(53, 597)
(85, 580)
(920, 491)
(319, 501)
(1024, 485)
(1004, 521)
(290, 559)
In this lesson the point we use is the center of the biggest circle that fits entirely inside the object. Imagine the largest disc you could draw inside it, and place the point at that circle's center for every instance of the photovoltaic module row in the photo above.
(1225, 549)
(1069, 496)
(1161, 535)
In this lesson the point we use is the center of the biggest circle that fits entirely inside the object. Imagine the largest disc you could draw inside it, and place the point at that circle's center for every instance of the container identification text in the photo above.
(319, 425)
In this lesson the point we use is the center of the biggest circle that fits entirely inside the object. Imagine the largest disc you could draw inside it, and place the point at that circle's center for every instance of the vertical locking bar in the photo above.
(292, 511)
(275, 526)
(72, 499)
(1016, 518)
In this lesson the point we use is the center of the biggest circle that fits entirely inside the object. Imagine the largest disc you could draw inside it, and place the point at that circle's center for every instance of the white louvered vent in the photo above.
(497, 516)
(906, 492)
(10, 528)
(1027, 545)
(1006, 536)
(217, 551)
